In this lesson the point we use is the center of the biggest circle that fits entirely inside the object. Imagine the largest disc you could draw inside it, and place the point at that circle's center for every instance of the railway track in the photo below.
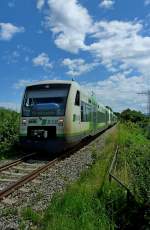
(15, 162)
(17, 173)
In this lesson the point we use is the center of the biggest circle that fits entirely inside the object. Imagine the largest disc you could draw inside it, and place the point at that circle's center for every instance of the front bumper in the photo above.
(48, 145)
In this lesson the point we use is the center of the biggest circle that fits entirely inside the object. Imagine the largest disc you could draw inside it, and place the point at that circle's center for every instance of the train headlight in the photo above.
(24, 121)
(60, 121)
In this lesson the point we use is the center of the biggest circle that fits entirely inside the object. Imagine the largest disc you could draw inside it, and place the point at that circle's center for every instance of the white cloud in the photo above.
(119, 46)
(40, 4)
(120, 92)
(70, 22)
(106, 29)
(116, 44)
(78, 66)
(107, 4)
(43, 61)
(8, 30)
(147, 2)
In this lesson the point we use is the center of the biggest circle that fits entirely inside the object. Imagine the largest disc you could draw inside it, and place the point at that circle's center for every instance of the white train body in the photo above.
(58, 114)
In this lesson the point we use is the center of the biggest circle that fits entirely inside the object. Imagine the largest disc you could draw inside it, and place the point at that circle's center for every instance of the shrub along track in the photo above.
(67, 167)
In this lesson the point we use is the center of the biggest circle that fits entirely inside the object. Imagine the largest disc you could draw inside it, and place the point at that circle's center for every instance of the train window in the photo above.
(85, 112)
(101, 117)
(77, 99)
(47, 100)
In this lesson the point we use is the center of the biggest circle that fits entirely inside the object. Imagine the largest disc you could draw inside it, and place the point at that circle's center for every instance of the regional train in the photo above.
(57, 114)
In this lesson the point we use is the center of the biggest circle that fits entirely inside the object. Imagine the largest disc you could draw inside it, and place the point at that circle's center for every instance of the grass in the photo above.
(133, 170)
(80, 206)
(134, 159)
(30, 215)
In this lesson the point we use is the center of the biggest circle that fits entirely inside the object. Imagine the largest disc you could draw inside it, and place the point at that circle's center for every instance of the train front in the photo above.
(42, 117)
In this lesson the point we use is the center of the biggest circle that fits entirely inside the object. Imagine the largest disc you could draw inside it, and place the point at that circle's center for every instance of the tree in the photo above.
(132, 115)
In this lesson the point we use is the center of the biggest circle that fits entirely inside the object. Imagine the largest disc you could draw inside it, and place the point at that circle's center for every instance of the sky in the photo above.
(102, 44)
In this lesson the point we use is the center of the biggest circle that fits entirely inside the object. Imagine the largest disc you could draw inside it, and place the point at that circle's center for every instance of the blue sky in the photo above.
(103, 44)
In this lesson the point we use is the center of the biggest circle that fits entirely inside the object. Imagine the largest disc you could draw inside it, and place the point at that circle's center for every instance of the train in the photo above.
(57, 114)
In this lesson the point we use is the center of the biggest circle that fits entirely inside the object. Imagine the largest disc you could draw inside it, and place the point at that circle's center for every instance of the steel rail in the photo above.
(15, 162)
(7, 191)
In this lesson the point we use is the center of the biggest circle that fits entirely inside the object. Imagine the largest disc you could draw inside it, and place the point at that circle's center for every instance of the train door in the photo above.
(94, 117)
(77, 115)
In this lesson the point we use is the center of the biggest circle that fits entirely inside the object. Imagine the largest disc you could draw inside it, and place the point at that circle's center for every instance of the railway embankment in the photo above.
(34, 197)
(76, 192)
(93, 202)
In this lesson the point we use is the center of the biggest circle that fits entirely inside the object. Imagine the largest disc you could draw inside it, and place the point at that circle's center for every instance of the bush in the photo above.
(136, 148)
(9, 130)
(132, 115)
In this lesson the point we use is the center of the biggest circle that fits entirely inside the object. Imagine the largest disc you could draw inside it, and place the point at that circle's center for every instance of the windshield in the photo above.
(45, 100)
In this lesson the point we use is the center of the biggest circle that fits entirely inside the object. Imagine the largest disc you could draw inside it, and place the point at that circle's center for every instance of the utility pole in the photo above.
(148, 102)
